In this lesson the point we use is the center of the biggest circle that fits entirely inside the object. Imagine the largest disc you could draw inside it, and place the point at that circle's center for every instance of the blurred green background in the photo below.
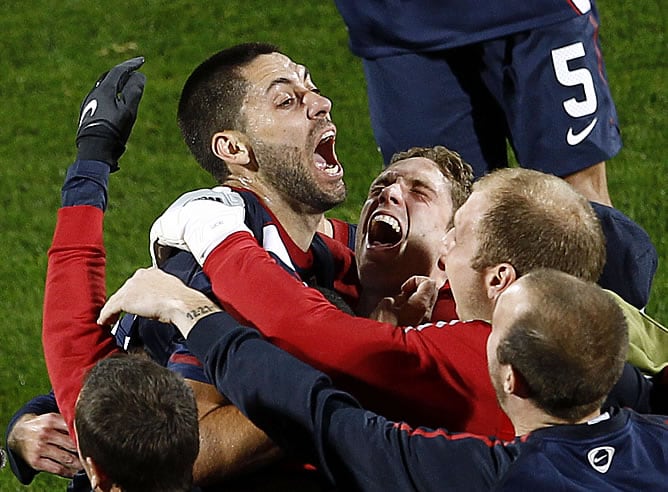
(50, 54)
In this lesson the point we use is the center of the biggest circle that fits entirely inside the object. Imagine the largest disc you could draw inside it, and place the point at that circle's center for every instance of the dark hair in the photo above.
(211, 102)
(138, 422)
(569, 345)
(455, 169)
(537, 220)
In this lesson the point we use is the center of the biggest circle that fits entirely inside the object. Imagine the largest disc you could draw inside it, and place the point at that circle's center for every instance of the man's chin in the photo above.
(334, 195)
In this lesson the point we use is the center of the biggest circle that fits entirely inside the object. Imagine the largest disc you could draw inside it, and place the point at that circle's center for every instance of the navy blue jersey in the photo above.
(380, 28)
(358, 450)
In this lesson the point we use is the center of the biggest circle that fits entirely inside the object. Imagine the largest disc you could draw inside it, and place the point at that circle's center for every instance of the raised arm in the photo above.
(75, 279)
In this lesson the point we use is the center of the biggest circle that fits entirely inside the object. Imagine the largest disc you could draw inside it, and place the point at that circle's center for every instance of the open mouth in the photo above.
(325, 155)
(384, 231)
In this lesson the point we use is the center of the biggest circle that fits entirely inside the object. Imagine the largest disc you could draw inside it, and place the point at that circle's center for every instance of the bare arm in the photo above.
(229, 443)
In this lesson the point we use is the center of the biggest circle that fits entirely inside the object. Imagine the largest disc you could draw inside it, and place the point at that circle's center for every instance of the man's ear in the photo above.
(98, 480)
(232, 147)
(440, 274)
(498, 279)
(514, 383)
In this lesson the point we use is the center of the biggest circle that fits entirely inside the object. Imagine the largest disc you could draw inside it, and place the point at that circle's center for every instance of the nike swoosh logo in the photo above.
(91, 107)
(576, 138)
(601, 459)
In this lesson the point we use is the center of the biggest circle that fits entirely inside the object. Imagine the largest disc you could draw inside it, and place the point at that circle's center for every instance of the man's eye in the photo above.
(287, 102)
(420, 192)
(375, 191)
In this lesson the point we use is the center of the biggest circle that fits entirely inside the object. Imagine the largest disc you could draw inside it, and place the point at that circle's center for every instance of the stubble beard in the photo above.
(285, 170)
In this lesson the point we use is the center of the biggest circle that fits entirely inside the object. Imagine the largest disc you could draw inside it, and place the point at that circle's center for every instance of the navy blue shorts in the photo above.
(544, 91)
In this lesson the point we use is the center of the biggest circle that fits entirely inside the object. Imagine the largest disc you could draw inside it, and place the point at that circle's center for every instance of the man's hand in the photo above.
(42, 441)
(198, 221)
(154, 294)
(412, 306)
(108, 113)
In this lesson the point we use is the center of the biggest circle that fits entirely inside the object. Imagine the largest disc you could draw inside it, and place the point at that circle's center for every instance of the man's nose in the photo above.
(391, 194)
(318, 106)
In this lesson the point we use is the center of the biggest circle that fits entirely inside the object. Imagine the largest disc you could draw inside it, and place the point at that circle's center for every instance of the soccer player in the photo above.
(557, 346)
(473, 77)
(255, 120)
(134, 422)
(401, 227)
(424, 187)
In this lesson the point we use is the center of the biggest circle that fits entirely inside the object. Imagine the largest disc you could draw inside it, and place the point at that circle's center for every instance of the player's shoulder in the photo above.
(660, 422)
(475, 328)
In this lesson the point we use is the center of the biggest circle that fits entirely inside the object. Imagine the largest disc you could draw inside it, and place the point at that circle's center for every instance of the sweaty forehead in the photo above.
(416, 169)
(265, 70)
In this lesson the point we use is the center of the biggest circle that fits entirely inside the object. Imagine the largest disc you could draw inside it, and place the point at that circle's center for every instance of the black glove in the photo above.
(108, 113)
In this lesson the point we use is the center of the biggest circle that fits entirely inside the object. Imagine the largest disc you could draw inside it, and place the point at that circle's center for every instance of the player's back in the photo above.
(621, 450)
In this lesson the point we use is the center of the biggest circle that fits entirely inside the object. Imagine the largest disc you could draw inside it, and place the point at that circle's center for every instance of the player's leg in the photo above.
(435, 99)
(592, 182)
(557, 102)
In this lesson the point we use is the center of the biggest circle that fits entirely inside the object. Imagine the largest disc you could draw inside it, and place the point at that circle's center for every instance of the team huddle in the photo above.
(472, 331)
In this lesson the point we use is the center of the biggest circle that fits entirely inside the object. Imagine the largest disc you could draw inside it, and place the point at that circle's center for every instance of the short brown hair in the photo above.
(537, 220)
(211, 101)
(569, 345)
(138, 422)
(455, 169)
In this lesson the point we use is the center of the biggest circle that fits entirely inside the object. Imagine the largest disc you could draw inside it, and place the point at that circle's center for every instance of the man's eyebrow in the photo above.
(284, 80)
(422, 182)
(278, 81)
(384, 178)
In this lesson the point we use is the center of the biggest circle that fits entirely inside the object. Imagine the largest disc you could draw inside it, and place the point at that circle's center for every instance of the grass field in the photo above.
(51, 53)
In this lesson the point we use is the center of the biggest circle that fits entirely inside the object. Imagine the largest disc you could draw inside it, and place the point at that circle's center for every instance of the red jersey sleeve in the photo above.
(430, 375)
(74, 293)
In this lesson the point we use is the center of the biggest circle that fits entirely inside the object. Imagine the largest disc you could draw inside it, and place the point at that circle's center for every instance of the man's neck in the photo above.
(299, 223)
(530, 418)
(368, 300)
(371, 293)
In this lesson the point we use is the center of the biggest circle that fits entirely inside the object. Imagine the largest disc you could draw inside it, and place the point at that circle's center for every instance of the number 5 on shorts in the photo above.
(570, 78)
